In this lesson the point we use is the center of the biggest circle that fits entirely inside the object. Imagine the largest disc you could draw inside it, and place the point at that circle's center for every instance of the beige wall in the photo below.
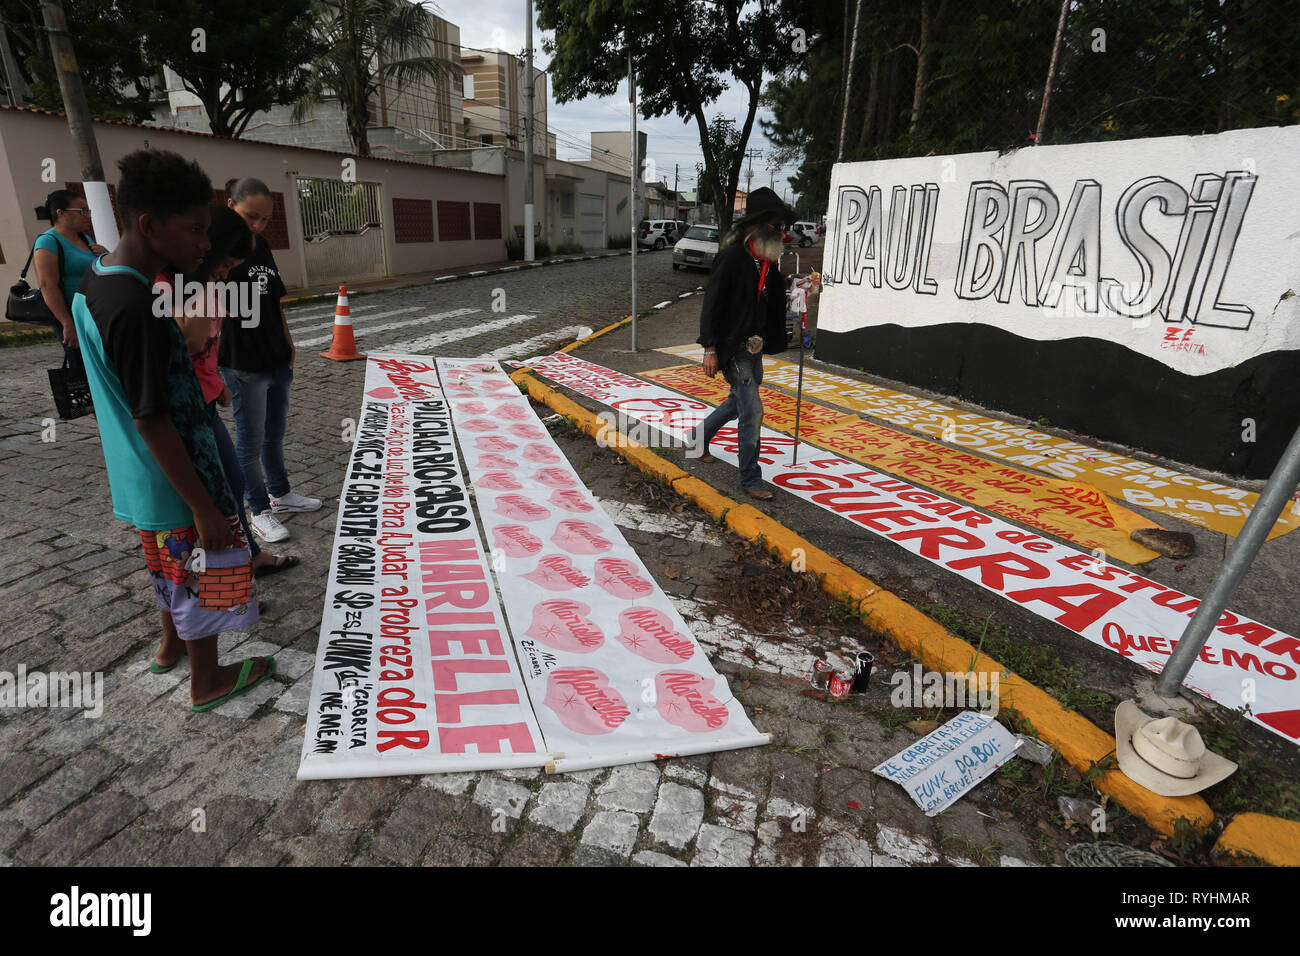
(29, 137)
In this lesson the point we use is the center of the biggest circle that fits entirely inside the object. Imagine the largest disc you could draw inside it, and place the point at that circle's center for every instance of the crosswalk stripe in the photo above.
(357, 320)
(302, 315)
(427, 343)
(526, 348)
(322, 322)
(360, 330)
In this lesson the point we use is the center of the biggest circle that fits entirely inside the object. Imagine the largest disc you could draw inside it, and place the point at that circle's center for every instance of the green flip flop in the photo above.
(241, 685)
(156, 668)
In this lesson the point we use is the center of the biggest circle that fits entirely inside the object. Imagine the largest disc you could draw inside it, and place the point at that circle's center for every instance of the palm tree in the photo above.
(368, 45)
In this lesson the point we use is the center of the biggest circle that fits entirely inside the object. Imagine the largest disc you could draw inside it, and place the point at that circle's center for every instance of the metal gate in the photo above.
(591, 221)
(343, 230)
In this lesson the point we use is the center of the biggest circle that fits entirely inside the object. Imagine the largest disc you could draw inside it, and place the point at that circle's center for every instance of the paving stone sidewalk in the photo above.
(151, 783)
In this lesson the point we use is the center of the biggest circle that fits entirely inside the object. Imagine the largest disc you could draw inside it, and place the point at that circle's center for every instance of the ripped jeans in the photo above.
(744, 374)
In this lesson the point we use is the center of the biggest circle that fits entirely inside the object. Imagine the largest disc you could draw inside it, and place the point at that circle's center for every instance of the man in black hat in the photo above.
(744, 317)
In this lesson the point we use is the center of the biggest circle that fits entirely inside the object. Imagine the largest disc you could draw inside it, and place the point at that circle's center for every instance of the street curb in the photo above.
(1270, 839)
(429, 280)
(1074, 736)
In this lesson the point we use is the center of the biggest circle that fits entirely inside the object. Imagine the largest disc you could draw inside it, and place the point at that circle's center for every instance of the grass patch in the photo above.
(1038, 665)
(25, 336)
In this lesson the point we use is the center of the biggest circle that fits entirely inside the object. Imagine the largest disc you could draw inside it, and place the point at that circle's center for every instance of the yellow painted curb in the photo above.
(1080, 742)
(1270, 839)
(595, 335)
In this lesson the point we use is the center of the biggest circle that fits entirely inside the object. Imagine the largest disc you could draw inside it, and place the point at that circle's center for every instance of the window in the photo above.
(485, 139)
(469, 86)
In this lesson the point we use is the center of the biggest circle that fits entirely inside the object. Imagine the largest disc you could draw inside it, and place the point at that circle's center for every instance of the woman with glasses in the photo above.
(70, 234)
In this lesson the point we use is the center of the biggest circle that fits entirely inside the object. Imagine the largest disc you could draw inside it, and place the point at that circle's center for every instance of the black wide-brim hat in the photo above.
(764, 203)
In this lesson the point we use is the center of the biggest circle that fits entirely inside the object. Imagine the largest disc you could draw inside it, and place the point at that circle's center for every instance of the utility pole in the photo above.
(636, 173)
(677, 197)
(529, 212)
(752, 154)
(79, 124)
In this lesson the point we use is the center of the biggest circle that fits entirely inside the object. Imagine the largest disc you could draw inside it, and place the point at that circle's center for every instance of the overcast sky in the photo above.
(499, 24)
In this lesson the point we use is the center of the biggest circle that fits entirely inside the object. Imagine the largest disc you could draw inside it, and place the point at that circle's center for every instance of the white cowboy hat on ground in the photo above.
(1164, 754)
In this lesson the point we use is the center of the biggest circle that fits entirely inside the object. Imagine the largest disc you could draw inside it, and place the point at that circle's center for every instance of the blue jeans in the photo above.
(261, 406)
(234, 474)
(744, 374)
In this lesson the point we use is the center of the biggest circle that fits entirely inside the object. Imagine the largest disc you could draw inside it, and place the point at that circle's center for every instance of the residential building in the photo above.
(495, 104)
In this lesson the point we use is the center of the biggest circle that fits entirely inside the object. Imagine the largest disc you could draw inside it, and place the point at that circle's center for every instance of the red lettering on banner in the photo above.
(1075, 616)
(464, 597)
(1093, 569)
(442, 573)
(433, 552)
(1287, 645)
(1250, 632)
(411, 739)
(1138, 584)
(850, 502)
(931, 538)
(995, 567)
(487, 739)
(899, 516)
(471, 642)
(449, 705)
(972, 519)
(444, 672)
(1017, 537)
(1167, 599)
(795, 481)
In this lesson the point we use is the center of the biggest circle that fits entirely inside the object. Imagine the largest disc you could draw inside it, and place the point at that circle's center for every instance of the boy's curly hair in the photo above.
(160, 183)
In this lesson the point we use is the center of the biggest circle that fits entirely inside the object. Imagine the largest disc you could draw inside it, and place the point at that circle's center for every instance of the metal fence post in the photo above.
(1276, 494)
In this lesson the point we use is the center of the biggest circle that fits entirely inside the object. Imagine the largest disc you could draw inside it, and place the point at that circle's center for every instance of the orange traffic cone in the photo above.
(344, 347)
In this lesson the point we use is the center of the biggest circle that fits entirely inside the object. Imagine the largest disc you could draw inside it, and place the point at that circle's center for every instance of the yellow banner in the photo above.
(1211, 505)
(1072, 511)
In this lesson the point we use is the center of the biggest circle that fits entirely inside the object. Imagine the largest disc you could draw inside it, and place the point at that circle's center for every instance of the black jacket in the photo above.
(732, 310)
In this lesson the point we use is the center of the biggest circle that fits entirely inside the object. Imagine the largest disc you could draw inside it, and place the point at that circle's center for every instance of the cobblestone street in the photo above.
(151, 783)
(127, 788)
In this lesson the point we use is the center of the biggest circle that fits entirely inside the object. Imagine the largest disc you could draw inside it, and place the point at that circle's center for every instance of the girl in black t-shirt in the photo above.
(256, 360)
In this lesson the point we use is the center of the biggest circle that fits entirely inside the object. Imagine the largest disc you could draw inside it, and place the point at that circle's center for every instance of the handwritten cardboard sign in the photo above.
(941, 767)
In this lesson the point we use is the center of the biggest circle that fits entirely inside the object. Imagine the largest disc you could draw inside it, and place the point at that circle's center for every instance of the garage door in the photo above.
(591, 221)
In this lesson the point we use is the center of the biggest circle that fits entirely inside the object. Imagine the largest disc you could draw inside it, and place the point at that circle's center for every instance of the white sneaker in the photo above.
(294, 502)
(267, 527)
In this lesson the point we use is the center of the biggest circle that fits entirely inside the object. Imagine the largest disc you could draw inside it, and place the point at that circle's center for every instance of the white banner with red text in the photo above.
(414, 670)
(613, 671)
(1244, 665)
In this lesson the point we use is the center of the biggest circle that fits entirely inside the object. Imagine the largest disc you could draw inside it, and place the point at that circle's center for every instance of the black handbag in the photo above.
(26, 304)
(71, 390)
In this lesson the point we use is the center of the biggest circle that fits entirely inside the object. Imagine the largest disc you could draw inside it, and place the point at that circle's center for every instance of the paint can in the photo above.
(862, 672)
(821, 673)
(840, 684)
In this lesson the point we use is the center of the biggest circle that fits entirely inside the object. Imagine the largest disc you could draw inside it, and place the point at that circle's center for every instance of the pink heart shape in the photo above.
(584, 701)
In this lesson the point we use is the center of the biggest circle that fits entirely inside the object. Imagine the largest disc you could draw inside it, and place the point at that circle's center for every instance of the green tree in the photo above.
(950, 78)
(106, 37)
(369, 44)
(239, 57)
(685, 54)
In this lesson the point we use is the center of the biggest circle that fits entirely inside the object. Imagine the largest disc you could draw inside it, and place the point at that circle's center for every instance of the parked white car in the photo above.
(697, 248)
(656, 233)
